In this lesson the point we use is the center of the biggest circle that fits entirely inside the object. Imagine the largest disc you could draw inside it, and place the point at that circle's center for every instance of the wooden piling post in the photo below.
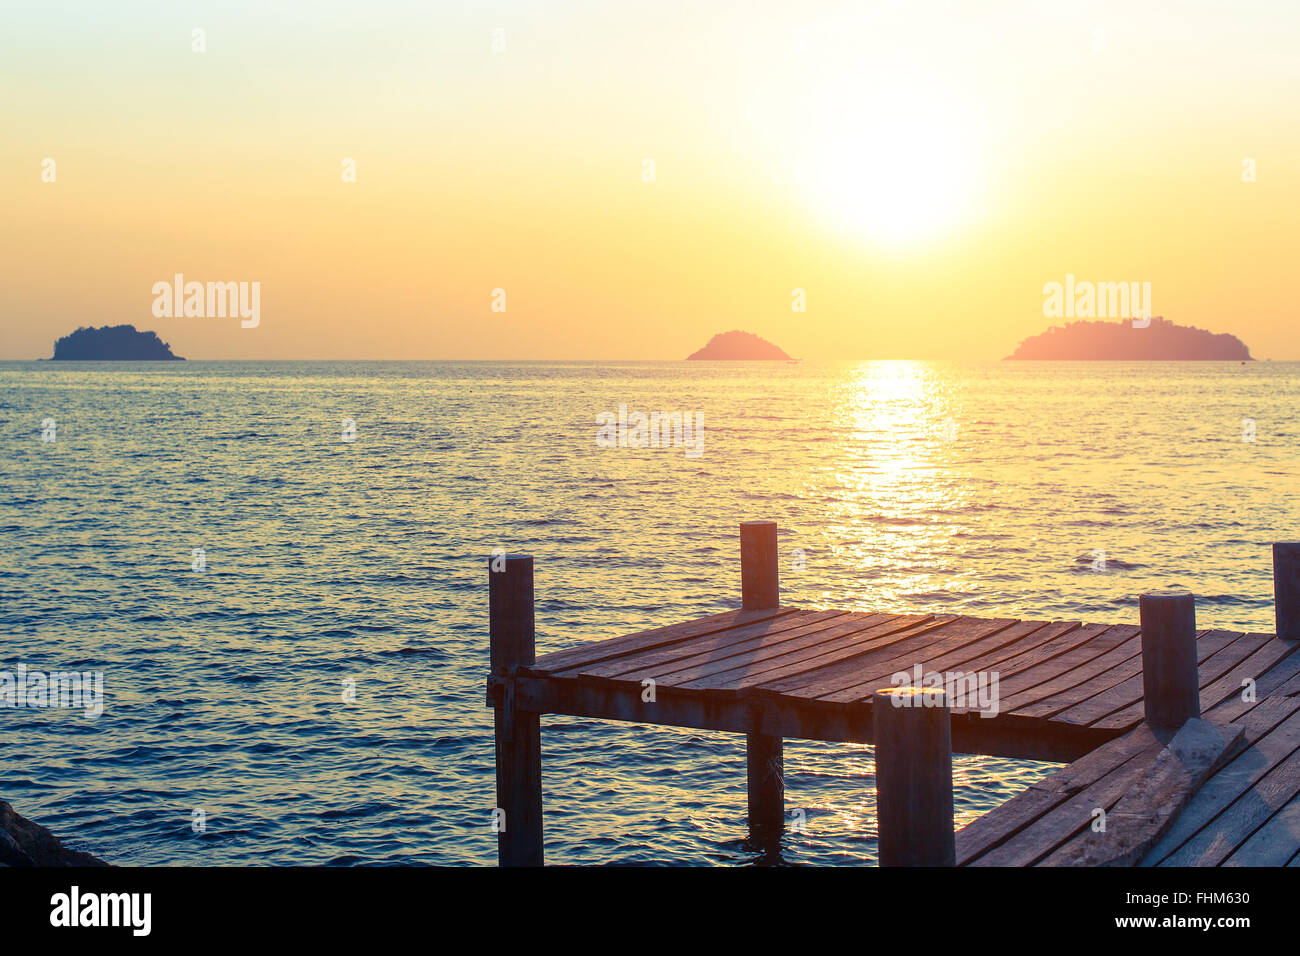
(1171, 688)
(518, 733)
(1286, 589)
(913, 737)
(759, 579)
(764, 753)
(765, 765)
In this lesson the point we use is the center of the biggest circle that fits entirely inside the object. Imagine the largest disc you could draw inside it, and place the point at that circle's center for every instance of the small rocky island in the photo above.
(739, 346)
(1162, 340)
(113, 343)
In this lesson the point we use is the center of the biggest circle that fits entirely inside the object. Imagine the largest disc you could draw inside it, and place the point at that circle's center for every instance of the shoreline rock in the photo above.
(24, 843)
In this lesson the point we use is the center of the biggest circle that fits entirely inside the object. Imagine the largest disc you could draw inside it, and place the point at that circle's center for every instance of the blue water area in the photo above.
(317, 691)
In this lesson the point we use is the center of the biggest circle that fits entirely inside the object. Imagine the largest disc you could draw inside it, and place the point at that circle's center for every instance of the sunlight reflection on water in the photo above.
(982, 489)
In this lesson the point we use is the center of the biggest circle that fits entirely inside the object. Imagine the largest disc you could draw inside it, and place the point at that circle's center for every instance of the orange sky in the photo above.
(921, 170)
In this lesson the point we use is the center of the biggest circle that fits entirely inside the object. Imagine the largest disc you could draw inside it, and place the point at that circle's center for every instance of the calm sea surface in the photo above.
(990, 489)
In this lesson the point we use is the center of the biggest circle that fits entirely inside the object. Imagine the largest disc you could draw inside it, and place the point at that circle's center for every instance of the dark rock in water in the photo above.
(23, 843)
(115, 343)
(1162, 340)
(739, 346)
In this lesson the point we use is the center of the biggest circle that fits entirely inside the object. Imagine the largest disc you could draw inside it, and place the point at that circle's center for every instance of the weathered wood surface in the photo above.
(1231, 799)
(1064, 688)
(655, 637)
(1156, 796)
(914, 809)
(518, 816)
(1244, 796)
(1065, 691)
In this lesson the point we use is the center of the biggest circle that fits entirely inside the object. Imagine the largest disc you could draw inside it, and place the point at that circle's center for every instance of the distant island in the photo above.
(742, 346)
(1162, 340)
(113, 343)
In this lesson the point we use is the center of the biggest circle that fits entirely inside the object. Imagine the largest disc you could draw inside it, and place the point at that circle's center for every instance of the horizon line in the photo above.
(593, 361)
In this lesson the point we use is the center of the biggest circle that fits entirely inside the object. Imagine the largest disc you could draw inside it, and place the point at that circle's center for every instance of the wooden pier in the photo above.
(1206, 718)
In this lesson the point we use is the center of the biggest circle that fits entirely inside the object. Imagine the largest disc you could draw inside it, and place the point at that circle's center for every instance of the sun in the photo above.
(895, 170)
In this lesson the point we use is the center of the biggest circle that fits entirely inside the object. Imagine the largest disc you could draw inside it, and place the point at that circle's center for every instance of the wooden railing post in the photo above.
(913, 739)
(1286, 589)
(764, 753)
(1171, 686)
(518, 733)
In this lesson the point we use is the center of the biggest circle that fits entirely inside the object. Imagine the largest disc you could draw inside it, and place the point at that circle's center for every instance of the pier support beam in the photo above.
(913, 732)
(1171, 690)
(1286, 589)
(764, 753)
(518, 732)
(764, 757)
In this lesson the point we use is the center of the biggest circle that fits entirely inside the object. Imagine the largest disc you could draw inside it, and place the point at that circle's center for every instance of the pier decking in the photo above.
(1064, 687)
(1054, 690)
(1244, 811)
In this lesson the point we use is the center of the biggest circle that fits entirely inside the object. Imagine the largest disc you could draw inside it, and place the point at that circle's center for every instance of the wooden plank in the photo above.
(876, 674)
(1035, 641)
(954, 632)
(1154, 798)
(1272, 732)
(801, 627)
(976, 731)
(1282, 680)
(1292, 685)
(1012, 662)
(989, 656)
(1002, 822)
(735, 676)
(663, 666)
(786, 717)
(656, 661)
(848, 664)
(1215, 690)
(1048, 831)
(1211, 647)
(1122, 701)
(850, 650)
(1267, 715)
(828, 680)
(643, 640)
(1043, 675)
(1078, 682)
(1262, 716)
(968, 657)
(1274, 843)
(1016, 669)
(1081, 773)
(1008, 660)
(1232, 826)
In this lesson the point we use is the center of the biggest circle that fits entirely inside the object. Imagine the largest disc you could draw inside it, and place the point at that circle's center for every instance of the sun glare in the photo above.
(896, 171)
